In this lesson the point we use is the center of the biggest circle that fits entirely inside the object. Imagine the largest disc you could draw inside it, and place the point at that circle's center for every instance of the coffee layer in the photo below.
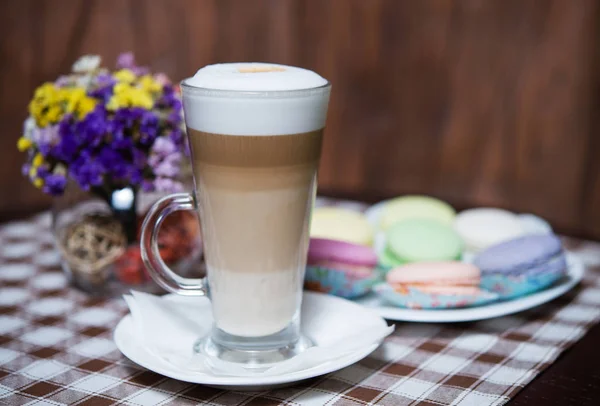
(255, 151)
(254, 195)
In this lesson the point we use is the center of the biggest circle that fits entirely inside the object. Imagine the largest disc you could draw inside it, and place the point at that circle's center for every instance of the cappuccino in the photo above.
(255, 131)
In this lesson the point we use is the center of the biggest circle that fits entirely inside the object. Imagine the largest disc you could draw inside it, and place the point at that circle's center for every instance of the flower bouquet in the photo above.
(102, 138)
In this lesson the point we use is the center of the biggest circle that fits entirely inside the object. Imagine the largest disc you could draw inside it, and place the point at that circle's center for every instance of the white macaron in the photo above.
(483, 227)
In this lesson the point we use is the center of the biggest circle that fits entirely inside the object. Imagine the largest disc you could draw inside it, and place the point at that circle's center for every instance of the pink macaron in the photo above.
(429, 285)
(447, 275)
(340, 268)
(341, 255)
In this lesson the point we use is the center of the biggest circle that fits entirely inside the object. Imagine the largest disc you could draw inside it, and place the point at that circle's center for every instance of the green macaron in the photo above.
(417, 240)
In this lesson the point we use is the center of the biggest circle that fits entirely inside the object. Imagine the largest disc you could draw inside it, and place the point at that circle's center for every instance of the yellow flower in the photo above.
(86, 105)
(24, 144)
(125, 75)
(117, 101)
(38, 182)
(78, 102)
(140, 98)
(32, 172)
(38, 159)
(42, 121)
(72, 97)
(46, 91)
(54, 114)
(128, 96)
(46, 105)
(148, 83)
(121, 88)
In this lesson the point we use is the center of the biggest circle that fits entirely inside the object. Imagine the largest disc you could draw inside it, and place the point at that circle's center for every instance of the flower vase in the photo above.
(97, 234)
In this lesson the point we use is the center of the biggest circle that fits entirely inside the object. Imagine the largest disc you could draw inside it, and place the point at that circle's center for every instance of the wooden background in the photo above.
(478, 102)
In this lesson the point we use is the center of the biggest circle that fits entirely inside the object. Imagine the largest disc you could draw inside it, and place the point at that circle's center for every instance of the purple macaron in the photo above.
(522, 266)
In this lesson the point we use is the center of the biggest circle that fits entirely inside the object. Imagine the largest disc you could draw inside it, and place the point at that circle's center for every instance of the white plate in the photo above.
(574, 275)
(531, 222)
(328, 319)
(503, 308)
(373, 213)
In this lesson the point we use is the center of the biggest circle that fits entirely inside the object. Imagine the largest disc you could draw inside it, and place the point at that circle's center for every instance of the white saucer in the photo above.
(325, 319)
(574, 275)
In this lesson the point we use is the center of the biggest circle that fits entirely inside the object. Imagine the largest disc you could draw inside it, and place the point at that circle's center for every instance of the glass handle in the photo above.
(157, 268)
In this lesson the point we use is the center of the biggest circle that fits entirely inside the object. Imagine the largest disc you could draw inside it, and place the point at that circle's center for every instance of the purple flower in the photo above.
(163, 146)
(54, 184)
(93, 128)
(154, 160)
(149, 128)
(135, 175)
(103, 93)
(122, 124)
(68, 147)
(167, 185)
(46, 138)
(140, 158)
(25, 169)
(104, 89)
(105, 79)
(122, 142)
(165, 158)
(169, 166)
(163, 79)
(169, 99)
(127, 61)
(86, 171)
(112, 162)
(42, 172)
(140, 70)
(147, 186)
(174, 118)
(176, 136)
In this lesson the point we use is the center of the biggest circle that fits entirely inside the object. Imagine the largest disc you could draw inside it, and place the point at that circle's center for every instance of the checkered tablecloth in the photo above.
(56, 346)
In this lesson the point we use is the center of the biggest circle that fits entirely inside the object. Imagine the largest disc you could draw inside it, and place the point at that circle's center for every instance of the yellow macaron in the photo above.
(413, 207)
(336, 223)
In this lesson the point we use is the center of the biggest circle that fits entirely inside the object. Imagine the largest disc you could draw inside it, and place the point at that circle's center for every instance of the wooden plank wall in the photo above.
(477, 102)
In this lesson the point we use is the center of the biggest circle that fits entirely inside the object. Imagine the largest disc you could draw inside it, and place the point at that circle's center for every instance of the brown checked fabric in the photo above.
(56, 346)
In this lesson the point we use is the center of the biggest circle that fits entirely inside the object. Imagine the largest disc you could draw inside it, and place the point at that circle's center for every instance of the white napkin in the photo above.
(168, 330)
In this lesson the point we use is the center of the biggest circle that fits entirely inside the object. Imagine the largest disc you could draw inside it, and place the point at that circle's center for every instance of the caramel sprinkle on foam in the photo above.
(260, 69)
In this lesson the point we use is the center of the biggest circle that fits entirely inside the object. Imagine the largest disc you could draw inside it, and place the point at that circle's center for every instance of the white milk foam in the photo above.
(255, 77)
(255, 99)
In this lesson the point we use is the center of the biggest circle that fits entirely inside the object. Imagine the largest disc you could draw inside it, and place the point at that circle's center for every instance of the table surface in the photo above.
(573, 379)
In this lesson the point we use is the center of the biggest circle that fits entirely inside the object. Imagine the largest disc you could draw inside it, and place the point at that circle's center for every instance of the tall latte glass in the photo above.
(255, 132)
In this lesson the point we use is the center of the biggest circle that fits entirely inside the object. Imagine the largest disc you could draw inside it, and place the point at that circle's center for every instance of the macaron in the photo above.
(447, 276)
(444, 284)
(523, 265)
(335, 223)
(533, 224)
(417, 240)
(415, 206)
(483, 227)
(340, 268)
